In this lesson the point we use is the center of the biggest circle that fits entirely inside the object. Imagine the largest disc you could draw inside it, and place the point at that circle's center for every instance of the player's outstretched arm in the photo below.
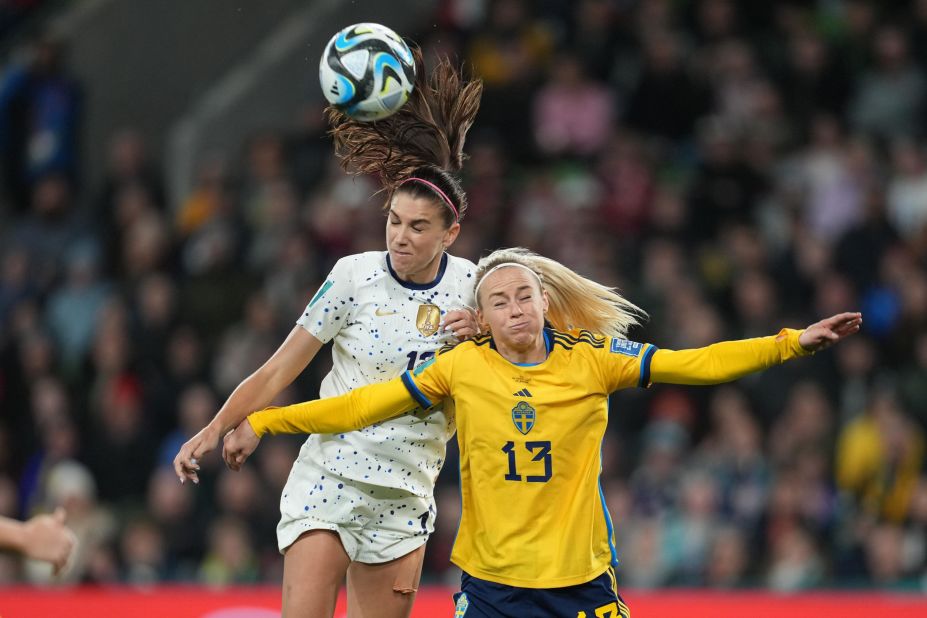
(730, 360)
(255, 392)
(356, 409)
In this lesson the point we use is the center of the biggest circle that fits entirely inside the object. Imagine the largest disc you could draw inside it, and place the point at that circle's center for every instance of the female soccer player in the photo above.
(346, 504)
(531, 401)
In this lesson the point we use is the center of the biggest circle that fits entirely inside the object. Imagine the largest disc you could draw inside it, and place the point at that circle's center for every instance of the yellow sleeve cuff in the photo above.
(787, 339)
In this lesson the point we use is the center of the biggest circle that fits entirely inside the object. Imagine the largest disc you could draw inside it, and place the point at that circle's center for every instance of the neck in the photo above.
(532, 353)
(425, 275)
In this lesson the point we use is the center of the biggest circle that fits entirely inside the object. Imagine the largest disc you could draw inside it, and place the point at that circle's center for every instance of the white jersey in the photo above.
(382, 326)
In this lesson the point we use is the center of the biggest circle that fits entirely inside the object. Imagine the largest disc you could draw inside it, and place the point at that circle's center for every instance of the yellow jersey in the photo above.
(530, 439)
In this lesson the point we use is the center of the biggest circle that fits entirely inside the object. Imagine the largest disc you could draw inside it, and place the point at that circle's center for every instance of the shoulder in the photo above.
(577, 339)
(460, 265)
(463, 347)
(361, 268)
(358, 260)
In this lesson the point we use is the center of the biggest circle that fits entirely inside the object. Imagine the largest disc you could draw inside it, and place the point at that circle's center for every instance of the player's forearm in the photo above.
(359, 408)
(725, 361)
(259, 389)
(11, 534)
(254, 393)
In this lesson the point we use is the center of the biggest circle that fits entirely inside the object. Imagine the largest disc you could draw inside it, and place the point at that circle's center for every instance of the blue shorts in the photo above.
(598, 598)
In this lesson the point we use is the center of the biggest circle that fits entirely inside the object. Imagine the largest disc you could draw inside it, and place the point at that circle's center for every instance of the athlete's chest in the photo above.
(506, 400)
(393, 328)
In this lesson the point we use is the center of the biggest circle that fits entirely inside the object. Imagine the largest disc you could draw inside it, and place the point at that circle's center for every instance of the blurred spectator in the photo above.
(171, 508)
(907, 190)
(15, 283)
(879, 458)
(666, 100)
(58, 438)
(129, 165)
(806, 424)
(509, 53)
(40, 114)
(690, 532)
(572, 113)
(208, 197)
(724, 188)
(733, 455)
(599, 36)
(890, 97)
(52, 227)
(886, 561)
(655, 484)
(643, 564)
(143, 553)
(813, 80)
(913, 382)
(230, 558)
(245, 346)
(74, 307)
(873, 232)
(196, 405)
(833, 192)
(796, 562)
(628, 183)
(728, 560)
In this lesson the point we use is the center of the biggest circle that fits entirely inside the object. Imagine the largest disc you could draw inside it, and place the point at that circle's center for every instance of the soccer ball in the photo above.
(367, 71)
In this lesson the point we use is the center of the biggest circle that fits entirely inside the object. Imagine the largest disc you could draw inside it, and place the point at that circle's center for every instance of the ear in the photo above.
(545, 301)
(450, 235)
(481, 320)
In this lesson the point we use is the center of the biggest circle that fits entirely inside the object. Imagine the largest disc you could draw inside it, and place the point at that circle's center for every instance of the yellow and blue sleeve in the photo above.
(429, 383)
(624, 364)
(725, 361)
(356, 409)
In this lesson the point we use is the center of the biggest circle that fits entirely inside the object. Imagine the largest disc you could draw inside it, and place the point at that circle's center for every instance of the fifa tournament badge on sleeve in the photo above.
(427, 320)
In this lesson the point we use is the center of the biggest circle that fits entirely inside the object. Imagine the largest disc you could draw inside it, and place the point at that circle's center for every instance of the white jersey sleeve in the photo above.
(330, 307)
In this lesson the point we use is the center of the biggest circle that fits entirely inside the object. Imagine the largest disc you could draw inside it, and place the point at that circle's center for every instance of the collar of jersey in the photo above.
(548, 343)
(418, 286)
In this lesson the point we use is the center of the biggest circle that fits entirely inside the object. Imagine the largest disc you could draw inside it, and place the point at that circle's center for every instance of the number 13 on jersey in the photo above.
(540, 450)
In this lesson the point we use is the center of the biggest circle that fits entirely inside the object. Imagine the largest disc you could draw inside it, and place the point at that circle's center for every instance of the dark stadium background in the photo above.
(734, 167)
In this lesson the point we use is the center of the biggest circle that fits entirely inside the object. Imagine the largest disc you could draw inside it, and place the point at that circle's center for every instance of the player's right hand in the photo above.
(186, 463)
(239, 444)
(46, 537)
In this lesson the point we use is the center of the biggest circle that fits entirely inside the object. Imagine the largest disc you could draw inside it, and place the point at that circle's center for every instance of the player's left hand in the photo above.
(830, 330)
(238, 444)
(461, 323)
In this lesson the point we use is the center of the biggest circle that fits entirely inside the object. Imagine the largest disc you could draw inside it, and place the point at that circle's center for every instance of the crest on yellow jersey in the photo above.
(523, 415)
(427, 320)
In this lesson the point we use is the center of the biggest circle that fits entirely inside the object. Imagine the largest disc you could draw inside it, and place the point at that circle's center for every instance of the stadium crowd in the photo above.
(733, 167)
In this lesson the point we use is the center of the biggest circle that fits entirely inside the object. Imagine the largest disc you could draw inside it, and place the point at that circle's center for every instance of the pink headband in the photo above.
(437, 190)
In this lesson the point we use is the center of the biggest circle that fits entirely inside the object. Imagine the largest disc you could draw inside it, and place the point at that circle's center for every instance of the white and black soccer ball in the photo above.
(367, 71)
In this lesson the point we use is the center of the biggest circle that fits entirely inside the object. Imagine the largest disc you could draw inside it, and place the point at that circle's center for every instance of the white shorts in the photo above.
(376, 524)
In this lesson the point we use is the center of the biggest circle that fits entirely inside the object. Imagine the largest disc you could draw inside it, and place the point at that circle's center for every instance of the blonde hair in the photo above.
(575, 301)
